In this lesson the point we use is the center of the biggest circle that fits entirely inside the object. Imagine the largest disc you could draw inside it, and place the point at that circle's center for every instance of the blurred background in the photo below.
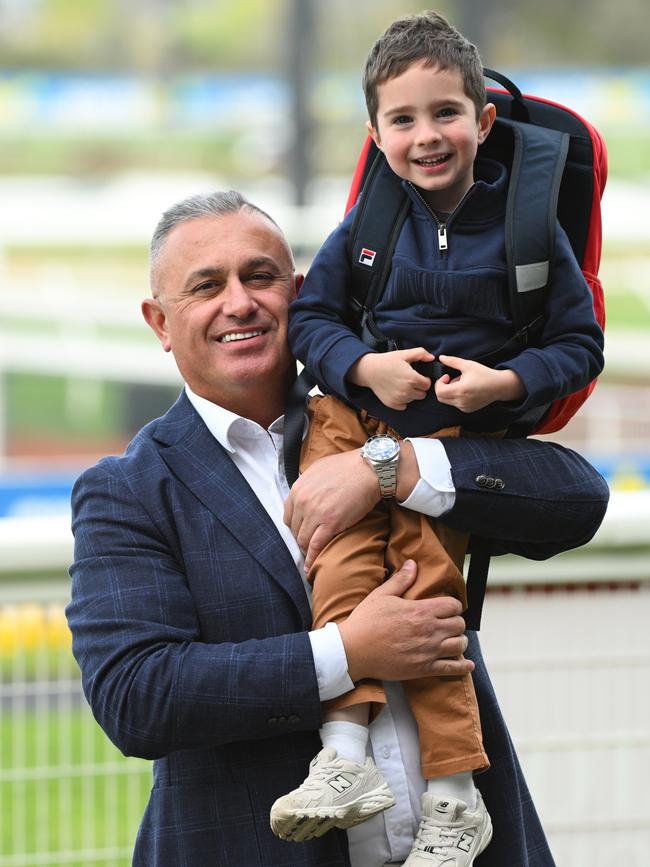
(109, 112)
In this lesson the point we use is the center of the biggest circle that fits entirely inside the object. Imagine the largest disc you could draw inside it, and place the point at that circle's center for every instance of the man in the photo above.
(190, 618)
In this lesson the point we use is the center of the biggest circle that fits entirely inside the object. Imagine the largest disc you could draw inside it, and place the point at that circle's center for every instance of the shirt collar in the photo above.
(227, 427)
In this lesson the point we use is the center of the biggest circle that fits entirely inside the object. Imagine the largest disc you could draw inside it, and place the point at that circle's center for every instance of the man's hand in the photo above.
(477, 386)
(390, 377)
(390, 638)
(336, 492)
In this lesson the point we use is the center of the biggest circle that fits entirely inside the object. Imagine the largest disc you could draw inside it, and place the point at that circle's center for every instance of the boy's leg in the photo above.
(445, 708)
(352, 564)
(446, 711)
(343, 787)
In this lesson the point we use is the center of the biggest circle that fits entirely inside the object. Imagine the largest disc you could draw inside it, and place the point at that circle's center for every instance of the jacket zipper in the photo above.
(442, 226)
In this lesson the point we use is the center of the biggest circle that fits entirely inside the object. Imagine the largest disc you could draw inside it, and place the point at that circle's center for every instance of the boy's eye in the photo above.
(447, 112)
(402, 119)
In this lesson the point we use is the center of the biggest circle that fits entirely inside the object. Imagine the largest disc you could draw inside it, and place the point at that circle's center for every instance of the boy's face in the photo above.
(429, 133)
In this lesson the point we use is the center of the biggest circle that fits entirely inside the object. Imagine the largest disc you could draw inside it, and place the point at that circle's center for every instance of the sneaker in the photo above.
(450, 834)
(337, 793)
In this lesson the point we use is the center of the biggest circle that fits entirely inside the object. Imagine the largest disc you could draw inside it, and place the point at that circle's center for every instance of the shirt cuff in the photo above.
(330, 661)
(434, 494)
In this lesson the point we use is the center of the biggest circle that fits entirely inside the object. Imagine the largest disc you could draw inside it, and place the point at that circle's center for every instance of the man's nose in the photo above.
(238, 300)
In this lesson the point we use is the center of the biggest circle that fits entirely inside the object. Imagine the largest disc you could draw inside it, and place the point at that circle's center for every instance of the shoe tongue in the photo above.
(327, 754)
(448, 808)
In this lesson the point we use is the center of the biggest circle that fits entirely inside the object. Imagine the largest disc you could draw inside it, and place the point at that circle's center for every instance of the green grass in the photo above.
(49, 804)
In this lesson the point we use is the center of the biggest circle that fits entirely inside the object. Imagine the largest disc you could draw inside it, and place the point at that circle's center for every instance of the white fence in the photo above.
(571, 669)
(67, 796)
(570, 664)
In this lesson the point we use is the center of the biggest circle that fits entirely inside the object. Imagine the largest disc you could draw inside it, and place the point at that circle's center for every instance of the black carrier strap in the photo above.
(383, 206)
(538, 160)
(294, 417)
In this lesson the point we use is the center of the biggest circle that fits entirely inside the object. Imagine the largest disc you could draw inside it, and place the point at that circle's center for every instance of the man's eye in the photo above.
(260, 278)
(210, 287)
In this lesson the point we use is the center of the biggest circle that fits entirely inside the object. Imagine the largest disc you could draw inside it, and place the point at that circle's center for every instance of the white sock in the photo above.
(348, 739)
(459, 786)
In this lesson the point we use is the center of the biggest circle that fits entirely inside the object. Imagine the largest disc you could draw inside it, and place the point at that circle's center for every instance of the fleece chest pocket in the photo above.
(449, 294)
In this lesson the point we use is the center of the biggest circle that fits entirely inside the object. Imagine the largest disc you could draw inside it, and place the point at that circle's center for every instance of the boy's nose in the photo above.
(427, 132)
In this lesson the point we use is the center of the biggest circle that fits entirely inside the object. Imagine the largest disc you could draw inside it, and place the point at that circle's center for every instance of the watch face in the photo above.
(381, 448)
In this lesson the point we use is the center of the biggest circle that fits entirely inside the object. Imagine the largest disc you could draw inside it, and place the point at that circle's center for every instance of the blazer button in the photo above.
(272, 720)
(481, 481)
(293, 718)
(499, 484)
(490, 482)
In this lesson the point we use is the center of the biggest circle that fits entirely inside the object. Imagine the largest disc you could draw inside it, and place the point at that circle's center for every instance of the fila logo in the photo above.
(339, 784)
(465, 842)
(367, 257)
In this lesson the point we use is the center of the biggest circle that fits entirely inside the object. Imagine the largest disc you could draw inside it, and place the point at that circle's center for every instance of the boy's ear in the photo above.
(373, 134)
(485, 121)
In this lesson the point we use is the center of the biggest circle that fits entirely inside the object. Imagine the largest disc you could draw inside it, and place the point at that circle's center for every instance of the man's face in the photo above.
(222, 288)
(428, 130)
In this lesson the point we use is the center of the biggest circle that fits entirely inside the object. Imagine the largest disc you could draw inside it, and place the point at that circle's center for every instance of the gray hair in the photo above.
(217, 204)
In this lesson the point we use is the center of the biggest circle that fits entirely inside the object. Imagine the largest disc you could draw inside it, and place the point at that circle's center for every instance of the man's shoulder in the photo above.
(143, 452)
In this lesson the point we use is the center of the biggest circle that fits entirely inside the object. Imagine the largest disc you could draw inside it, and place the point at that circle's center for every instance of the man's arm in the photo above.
(164, 670)
(551, 500)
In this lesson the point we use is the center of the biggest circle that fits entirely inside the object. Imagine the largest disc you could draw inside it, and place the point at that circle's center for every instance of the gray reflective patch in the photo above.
(532, 276)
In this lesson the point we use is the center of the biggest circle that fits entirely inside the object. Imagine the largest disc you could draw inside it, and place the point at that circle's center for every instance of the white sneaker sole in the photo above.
(305, 823)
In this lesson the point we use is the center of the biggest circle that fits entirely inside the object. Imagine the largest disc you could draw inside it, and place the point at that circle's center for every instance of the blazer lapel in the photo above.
(200, 462)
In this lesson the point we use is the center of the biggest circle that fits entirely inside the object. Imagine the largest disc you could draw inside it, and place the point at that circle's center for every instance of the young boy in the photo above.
(446, 299)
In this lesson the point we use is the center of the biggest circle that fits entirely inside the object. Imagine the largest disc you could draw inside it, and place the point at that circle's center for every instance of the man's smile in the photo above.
(230, 336)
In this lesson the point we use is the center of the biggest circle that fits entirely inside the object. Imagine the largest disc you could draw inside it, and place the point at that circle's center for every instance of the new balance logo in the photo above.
(465, 842)
(339, 784)
(367, 257)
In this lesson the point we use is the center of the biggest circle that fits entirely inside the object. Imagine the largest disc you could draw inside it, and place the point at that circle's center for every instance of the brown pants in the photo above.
(357, 561)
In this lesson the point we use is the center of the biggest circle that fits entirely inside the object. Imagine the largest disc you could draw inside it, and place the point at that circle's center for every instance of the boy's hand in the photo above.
(390, 376)
(477, 386)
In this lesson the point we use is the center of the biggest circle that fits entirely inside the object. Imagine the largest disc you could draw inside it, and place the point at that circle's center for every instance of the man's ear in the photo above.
(374, 134)
(485, 121)
(155, 318)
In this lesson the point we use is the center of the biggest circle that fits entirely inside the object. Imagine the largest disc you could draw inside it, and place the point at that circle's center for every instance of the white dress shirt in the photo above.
(393, 742)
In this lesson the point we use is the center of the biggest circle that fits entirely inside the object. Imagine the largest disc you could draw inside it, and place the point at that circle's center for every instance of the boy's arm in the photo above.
(320, 334)
(391, 377)
(477, 386)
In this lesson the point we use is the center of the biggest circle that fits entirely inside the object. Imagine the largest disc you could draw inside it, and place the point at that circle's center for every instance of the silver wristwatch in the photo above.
(382, 453)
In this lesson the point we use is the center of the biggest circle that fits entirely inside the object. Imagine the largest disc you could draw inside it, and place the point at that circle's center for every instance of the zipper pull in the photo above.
(442, 237)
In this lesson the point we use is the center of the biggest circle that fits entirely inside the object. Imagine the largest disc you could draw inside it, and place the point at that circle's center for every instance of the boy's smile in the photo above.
(429, 133)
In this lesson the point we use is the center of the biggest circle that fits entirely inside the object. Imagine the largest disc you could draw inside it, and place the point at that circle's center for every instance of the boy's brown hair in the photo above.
(424, 37)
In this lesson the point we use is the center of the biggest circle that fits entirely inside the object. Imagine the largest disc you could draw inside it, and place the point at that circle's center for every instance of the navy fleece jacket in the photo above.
(454, 303)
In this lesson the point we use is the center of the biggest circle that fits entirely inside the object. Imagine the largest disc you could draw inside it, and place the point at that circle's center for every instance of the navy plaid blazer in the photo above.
(189, 623)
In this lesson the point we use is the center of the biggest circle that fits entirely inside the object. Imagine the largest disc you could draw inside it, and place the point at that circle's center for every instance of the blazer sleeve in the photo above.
(550, 498)
(155, 685)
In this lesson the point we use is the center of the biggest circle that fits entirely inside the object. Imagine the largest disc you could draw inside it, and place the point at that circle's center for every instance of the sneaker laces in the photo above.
(443, 838)
(317, 773)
